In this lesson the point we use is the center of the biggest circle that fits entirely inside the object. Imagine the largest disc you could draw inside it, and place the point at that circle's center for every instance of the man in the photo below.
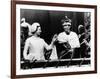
(67, 40)
(35, 45)
(84, 38)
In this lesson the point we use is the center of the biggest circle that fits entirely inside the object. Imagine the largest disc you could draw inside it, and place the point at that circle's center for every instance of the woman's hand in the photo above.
(54, 38)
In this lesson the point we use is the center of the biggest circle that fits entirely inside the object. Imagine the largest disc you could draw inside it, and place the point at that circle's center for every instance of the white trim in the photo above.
(50, 70)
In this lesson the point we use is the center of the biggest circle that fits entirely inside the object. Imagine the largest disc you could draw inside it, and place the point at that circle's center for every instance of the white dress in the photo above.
(36, 47)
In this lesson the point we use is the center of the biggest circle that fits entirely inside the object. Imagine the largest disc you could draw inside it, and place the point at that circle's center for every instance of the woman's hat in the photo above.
(34, 26)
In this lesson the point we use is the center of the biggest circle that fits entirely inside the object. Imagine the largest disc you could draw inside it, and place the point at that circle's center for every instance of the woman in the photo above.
(36, 45)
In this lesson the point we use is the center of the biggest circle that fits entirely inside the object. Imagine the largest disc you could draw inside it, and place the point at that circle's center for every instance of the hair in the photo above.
(81, 29)
(66, 19)
(36, 29)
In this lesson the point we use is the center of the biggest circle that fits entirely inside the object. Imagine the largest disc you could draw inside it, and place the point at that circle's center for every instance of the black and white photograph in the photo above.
(55, 39)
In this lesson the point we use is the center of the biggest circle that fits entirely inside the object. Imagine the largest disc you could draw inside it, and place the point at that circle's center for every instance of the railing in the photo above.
(55, 63)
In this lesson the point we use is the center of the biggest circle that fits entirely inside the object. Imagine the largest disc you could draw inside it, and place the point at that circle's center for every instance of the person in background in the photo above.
(25, 24)
(84, 38)
(25, 33)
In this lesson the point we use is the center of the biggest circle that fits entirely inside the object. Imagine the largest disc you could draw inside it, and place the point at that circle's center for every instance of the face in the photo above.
(38, 32)
(66, 26)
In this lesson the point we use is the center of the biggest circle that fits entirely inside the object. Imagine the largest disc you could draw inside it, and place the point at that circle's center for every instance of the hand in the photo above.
(54, 38)
(71, 50)
(67, 45)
